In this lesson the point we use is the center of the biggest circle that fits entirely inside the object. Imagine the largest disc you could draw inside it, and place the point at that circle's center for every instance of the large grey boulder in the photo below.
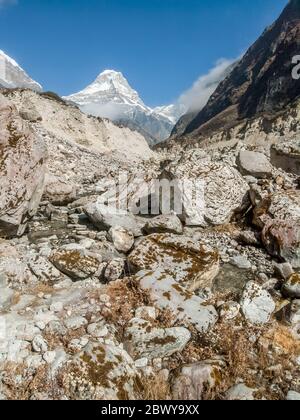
(254, 164)
(164, 224)
(103, 372)
(190, 382)
(22, 170)
(106, 217)
(59, 192)
(211, 192)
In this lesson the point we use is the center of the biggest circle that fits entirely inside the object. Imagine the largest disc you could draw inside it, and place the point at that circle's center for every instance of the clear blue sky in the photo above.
(162, 46)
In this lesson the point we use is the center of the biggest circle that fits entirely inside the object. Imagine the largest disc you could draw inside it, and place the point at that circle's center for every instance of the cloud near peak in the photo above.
(195, 98)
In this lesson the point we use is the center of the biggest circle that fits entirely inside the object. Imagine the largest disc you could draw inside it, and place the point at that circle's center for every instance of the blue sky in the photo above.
(161, 46)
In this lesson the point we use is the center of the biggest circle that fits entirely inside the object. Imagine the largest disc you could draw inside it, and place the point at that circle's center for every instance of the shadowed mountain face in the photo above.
(262, 82)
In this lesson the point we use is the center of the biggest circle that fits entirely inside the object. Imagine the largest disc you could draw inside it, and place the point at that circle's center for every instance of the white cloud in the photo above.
(197, 96)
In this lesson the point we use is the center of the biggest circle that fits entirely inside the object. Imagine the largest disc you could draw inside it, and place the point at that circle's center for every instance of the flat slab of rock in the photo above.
(104, 217)
(254, 164)
(168, 294)
(189, 262)
(241, 392)
(257, 304)
(164, 224)
(144, 340)
(76, 262)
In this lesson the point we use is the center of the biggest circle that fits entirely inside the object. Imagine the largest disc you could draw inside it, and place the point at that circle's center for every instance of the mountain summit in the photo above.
(111, 96)
(13, 76)
(261, 83)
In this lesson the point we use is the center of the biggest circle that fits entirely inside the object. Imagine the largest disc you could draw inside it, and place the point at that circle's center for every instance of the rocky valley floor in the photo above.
(97, 304)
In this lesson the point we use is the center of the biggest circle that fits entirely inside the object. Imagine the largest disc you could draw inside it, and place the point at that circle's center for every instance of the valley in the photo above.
(153, 253)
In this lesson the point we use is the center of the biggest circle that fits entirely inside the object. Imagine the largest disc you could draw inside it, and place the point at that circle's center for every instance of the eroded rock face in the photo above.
(22, 170)
(189, 262)
(77, 262)
(282, 205)
(168, 294)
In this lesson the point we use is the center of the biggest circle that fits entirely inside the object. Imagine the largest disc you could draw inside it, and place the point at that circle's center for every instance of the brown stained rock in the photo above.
(191, 382)
(191, 263)
(282, 239)
(77, 262)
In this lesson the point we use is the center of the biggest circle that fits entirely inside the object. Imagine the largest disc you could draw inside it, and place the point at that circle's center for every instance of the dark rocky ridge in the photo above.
(261, 83)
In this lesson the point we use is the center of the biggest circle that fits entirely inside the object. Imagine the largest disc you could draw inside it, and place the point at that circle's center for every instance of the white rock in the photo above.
(141, 363)
(293, 396)
(166, 293)
(254, 164)
(76, 322)
(145, 312)
(241, 392)
(56, 307)
(122, 239)
(39, 344)
(144, 340)
(257, 304)
(49, 357)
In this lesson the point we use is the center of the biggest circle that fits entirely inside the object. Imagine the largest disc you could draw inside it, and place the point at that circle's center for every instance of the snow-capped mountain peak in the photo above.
(13, 76)
(111, 96)
(109, 86)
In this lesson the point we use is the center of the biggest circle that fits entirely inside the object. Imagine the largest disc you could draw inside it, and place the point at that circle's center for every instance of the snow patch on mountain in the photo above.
(111, 96)
(13, 76)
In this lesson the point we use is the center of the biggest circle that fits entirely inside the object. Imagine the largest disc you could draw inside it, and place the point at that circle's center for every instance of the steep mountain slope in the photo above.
(262, 81)
(111, 96)
(13, 76)
(67, 124)
(204, 87)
